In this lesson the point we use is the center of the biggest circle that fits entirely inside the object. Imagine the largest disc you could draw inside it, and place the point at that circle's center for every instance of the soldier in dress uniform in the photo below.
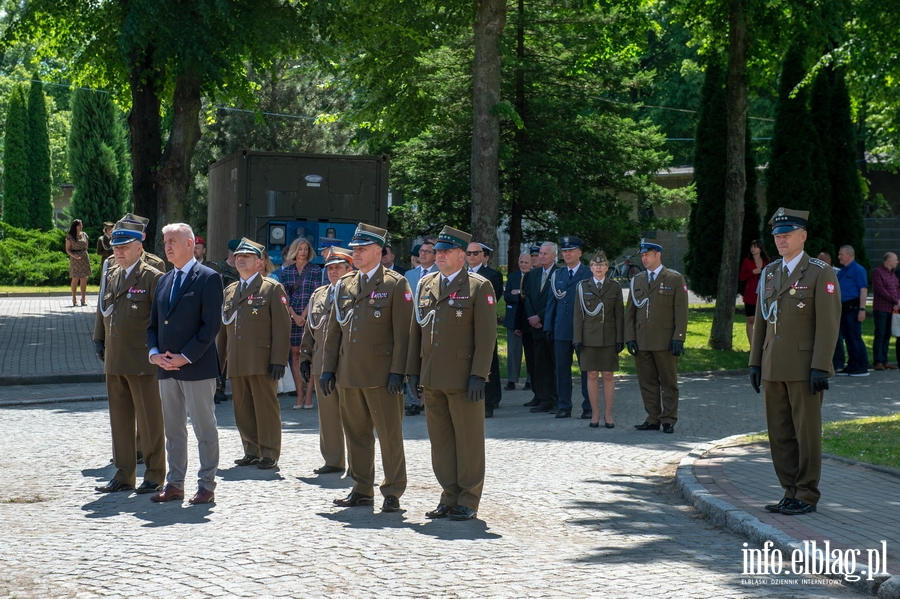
(796, 327)
(200, 253)
(656, 318)
(255, 341)
(104, 249)
(338, 262)
(366, 338)
(599, 335)
(226, 267)
(120, 340)
(452, 340)
(151, 259)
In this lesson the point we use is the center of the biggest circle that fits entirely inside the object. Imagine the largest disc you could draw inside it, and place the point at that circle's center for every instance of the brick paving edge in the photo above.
(724, 515)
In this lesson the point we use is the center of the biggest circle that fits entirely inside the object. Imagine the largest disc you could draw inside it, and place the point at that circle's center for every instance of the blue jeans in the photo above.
(851, 331)
(882, 343)
(563, 351)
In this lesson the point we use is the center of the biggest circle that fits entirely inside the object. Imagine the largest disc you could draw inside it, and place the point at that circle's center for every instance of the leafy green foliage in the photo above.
(797, 178)
(33, 258)
(97, 159)
(16, 204)
(41, 209)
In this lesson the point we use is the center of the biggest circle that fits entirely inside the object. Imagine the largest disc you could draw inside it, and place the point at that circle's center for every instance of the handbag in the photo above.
(895, 324)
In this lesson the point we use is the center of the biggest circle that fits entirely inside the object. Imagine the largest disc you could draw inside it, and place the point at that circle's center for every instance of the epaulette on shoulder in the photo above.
(773, 264)
(393, 274)
(672, 270)
(817, 262)
(321, 287)
(153, 269)
(431, 275)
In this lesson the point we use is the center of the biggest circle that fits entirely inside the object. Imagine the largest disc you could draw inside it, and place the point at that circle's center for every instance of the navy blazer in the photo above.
(560, 313)
(534, 300)
(514, 281)
(189, 323)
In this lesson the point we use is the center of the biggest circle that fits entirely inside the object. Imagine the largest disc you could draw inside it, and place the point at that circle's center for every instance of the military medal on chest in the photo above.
(459, 313)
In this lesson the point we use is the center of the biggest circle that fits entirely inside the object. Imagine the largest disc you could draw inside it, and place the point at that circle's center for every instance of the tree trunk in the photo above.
(490, 18)
(174, 174)
(517, 210)
(735, 177)
(146, 141)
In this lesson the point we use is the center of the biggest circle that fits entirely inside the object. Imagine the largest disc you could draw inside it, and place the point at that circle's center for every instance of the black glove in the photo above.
(632, 347)
(305, 371)
(100, 350)
(395, 384)
(476, 388)
(413, 382)
(619, 347)
(755, 377)
(276, 371)
(577, 348)
(549, 336)
(818, 380)
(677, 348)
(326, 383)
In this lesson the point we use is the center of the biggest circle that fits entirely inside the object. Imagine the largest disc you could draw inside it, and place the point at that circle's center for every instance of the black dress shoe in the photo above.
(526, 387)
(148, 486)
(564, 414)
(267, 464)
(795, 507)
(542, 407)
(668, 428)
(489, 413)
(462, 512)
(646, 426)
(594, 424)
(531, 404)
(114, 486)
(510, 386)
(140, 458)
(441, 511)
(609, 424)
(354, 499)
(776, 507)
(587, 414)
(413, 410)
(247, 460)
(326, 469)
(391, 504)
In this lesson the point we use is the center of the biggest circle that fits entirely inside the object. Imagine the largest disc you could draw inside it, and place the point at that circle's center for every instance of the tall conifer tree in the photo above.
(707, 214)
(41, 208)
(797, 178)
(752, 222)
(16, 209)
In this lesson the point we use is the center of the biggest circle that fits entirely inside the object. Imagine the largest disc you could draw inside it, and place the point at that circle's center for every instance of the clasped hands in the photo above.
(169, 361)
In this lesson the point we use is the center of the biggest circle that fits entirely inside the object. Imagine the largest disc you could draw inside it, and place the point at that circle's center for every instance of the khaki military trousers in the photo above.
(331, 430)
(136, 397)
(257, 414)
(364, 409)
(456, 431)
(657, 373)
(794, 418)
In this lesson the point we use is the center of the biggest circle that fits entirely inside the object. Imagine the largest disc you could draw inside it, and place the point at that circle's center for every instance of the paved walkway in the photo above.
(568, 511)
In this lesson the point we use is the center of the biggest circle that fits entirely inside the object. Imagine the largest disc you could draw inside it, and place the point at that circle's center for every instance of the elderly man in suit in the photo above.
(535, 291)
(366, 339)
(656, 318)
(256, 340)
(123, 313)
(796, 327)
(477, 256)
(414, 275)
(338, 262)
(512, 294)
(558, 318)
(451, 341)
(186, 317)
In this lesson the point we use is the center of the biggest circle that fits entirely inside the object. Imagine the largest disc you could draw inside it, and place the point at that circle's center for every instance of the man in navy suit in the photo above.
(558, 324)
(535, 290)
(477, 256)
(186, 317)
(414, 275)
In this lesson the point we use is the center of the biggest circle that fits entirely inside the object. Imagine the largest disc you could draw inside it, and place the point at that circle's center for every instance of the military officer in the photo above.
(200, 253)
(331, 432)
(140, 223)
(558, 318)
(452, 340)
(368, 328)
(656, 319)
(120, 340)
(255, 341)
(226, 267)
(796, 327)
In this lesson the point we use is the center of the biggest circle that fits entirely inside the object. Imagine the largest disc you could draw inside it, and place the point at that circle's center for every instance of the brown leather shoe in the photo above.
(890, 366)
(168, 494)
(879, 367)
(202, 496)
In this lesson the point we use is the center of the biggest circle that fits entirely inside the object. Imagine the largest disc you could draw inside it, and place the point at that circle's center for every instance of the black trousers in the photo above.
(528, 347)
(492, 389)
(543, 379)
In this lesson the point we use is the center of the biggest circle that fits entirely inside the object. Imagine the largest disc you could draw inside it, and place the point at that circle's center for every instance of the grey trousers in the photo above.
(181, 399)
(513, 356)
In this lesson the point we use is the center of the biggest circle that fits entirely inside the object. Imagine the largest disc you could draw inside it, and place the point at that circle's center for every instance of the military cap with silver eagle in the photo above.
(451, 239)
(785, 220)
(338, 255)
(125, 232)
(249, 247)
(367, 235)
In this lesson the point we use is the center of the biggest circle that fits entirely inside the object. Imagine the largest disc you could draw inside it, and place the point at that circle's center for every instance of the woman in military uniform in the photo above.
(599, 330)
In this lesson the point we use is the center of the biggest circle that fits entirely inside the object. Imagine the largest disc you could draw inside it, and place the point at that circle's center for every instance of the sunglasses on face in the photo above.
(473, 253)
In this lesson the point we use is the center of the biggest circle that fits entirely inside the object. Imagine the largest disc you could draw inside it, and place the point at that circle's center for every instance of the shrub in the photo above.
(35, 258)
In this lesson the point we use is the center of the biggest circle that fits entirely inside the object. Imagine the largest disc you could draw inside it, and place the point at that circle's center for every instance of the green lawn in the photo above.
(875, 440)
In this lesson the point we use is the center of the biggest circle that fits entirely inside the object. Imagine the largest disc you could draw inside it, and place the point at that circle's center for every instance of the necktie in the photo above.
(599, 286)
(784, 275)
(364, 279)
(571, 274)
(543, 279)
(177, 285)
(120, 281)
(444, 282)
(243, 288)
(651, 277)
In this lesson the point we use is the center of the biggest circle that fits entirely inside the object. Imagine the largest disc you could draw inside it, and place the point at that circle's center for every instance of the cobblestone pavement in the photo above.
(568, 511)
